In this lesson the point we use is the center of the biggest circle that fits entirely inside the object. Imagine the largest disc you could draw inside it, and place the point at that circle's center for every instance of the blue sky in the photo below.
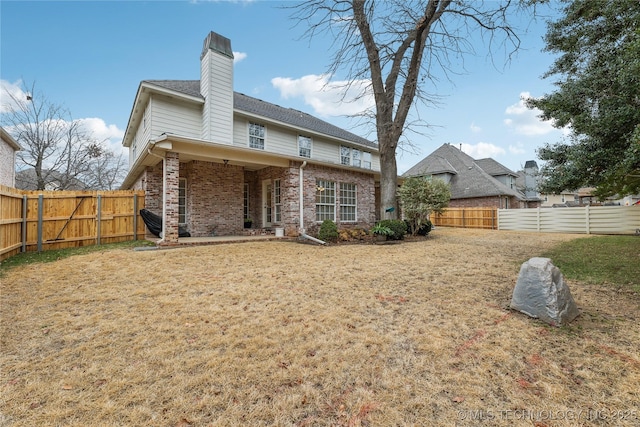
(90, 56)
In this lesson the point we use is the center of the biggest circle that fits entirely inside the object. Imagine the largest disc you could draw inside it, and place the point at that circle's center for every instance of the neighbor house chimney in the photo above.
(216, 86)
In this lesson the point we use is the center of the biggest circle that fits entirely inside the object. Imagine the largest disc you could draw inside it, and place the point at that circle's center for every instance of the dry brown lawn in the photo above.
(290, 334)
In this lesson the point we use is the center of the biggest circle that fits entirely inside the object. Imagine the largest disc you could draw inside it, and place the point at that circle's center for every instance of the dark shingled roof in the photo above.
(268, 110)
(494, 168)
(469, 179)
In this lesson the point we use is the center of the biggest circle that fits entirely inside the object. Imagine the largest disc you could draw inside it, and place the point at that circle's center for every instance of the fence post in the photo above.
(538, 220)
(135, 217)
(588, 220)
(40, 205)
(24, 224)
(463, 222)
(98, 214)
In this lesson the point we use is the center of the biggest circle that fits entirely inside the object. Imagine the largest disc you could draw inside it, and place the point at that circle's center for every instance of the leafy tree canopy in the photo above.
(420, 196)
(597, 96)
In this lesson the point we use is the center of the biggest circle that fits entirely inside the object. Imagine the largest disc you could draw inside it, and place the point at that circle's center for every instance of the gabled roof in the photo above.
(257, 107)
(494, 168)
(9, 139)
(469, 179)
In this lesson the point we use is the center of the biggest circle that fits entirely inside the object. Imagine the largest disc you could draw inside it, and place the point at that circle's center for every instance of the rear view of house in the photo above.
(208, 158)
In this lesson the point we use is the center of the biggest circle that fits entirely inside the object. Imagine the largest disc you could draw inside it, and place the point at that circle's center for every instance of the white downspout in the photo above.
(301, 194)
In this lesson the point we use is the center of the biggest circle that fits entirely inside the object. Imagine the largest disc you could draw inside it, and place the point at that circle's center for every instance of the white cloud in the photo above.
(518, 148)
(327, 98)
(7, 91)
(482, 150)
(111, 135)
(525, 121)
(238, 56)
(474, 128)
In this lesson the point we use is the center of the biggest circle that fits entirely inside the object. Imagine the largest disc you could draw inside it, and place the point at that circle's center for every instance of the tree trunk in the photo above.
(388, 182)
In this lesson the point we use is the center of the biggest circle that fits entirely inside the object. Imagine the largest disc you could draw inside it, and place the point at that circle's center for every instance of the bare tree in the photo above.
(62, 154)
(402, 46)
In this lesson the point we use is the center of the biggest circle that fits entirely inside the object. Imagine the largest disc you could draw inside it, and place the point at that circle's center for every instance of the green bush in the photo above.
(328, 231)
(424, 229)
(398, 227)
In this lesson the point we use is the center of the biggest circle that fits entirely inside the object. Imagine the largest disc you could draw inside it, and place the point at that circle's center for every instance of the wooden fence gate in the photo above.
(45, 220)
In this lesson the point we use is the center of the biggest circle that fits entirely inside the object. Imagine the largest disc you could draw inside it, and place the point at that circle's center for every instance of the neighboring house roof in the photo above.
(26, 180)
(469, 180)
(9, 139)
(257, 107)
(494, 168)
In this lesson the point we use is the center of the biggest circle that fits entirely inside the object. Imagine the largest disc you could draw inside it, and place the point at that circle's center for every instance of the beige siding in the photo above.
(284, 141)
(216, 79)
(182, 119)
(141, 138)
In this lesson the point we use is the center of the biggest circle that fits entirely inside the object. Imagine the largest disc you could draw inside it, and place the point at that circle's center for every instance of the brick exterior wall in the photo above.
(487, 202)
(214, 198)
(215, 195)
(172, 174)
(365, 189)
(7, 165)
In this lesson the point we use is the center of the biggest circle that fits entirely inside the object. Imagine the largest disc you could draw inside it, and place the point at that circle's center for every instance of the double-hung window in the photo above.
(366, 160)
(345, 155)
(355, 157)
(304, 146)
(348, 202)
(256, 136)
(325, 200)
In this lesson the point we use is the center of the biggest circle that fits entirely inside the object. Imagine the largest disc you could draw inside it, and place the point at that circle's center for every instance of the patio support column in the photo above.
(170, 178)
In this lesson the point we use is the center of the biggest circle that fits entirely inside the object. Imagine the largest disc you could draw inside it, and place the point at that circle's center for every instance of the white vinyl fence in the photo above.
(588, 219)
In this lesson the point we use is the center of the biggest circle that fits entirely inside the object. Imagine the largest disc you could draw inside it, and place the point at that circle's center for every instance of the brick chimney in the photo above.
(216, 86)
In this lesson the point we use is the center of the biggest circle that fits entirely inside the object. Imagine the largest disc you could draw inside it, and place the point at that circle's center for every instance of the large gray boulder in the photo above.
(541, 292)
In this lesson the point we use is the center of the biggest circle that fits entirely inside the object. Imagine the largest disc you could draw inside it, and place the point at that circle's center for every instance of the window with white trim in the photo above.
(182, 201)
(355, 157)
(366, 160)
(304, 146)
(277, 200)
(348, 202)
(325, 200)
(345, 155)
(256, 136)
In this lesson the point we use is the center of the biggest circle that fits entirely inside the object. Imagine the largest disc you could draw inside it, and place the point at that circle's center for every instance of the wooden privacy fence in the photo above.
(486, 218)
(45, 220)
(584, 220)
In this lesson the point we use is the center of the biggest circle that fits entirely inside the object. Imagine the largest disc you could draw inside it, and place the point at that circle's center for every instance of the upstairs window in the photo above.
(353, 157)
(304, 146)
(366, 160)
(256, 136)
(345, 155)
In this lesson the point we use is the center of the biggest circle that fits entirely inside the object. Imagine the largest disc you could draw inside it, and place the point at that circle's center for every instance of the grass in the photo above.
(612, 260)
(56, 255)
(289, 334)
